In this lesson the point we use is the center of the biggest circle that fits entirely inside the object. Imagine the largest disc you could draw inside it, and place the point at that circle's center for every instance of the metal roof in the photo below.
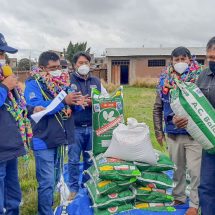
(125, 52)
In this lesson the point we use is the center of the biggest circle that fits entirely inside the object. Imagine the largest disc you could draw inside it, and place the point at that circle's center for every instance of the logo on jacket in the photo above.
(93, 86)
(32, 95)
(74, 87)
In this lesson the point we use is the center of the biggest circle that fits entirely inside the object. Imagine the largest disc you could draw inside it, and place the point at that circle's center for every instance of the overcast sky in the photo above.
(39, 25)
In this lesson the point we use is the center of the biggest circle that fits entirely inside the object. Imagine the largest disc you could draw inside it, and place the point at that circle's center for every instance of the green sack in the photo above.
(114, 169)
(188, 101)
(107, 114)
(111, 200)
(104, 187)
(155, 180)
(164, 163)
(113, 210)
(152, 195)
(157, 207)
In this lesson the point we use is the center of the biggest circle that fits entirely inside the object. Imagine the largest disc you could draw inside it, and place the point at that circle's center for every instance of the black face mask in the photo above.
(212, 66)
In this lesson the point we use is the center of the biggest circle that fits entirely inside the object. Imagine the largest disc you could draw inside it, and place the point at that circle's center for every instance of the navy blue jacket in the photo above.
(84, 86)
(168, 116)
(51, 129)
(11, 144)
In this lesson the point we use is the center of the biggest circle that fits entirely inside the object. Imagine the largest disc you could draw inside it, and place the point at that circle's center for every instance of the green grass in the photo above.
(138, 104)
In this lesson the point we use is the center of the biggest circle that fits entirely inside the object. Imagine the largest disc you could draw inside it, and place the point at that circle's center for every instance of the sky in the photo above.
(34, 26)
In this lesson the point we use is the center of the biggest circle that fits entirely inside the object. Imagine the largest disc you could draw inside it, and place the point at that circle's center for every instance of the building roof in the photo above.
(125, 52)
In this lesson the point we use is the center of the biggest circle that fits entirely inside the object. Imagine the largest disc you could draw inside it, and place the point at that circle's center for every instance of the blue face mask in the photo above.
(212, 66)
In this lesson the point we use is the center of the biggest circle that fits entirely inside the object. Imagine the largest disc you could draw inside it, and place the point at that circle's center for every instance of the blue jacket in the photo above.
(11, 144)
(79, 84)
(168, 116)
(51, 131)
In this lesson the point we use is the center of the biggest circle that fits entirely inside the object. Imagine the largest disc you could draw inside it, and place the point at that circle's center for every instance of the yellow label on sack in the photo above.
(103, 183)
(106, 168)
(145, 188)
(142, 205)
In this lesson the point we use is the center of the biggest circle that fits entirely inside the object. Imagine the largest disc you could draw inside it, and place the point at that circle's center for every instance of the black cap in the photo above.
(4, 47)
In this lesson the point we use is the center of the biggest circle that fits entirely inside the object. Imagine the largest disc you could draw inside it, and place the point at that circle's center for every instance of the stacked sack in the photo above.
(132, 142)
(154, 186)
(116, 183)
(110, 183)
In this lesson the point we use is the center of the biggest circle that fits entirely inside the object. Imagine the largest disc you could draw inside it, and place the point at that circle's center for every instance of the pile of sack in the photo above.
(154, 186)
(127, 173)
(110, 185)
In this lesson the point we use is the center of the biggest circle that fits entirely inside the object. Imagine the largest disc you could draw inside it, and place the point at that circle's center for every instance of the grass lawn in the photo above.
(138, 104)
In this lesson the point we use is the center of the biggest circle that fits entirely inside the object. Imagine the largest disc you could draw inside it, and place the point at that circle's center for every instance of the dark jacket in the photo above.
(206, 83)
(162, 110)
(52, 129)
(11, 144)
(79, 84)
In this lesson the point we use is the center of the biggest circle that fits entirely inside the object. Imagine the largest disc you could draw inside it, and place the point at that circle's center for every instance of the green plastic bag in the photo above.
(114, 210)
(164, 163)
(155, 180)
(157, 207)
(105, 187)
(114, 169)
(107, 114)
(152, 195)
(111, 200)
(188, 101)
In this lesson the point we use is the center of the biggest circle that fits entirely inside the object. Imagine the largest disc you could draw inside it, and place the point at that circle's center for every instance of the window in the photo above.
(156, 63)
(201, 61)
(120, 62)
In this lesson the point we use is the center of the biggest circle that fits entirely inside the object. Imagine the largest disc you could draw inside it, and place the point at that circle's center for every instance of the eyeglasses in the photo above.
(53, 68)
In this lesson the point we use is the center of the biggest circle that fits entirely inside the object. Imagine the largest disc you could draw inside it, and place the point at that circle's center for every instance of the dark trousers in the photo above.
(207, 184)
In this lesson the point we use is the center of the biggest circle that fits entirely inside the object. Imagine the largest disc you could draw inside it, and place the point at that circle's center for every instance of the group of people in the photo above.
(184, 151)
(70, 123)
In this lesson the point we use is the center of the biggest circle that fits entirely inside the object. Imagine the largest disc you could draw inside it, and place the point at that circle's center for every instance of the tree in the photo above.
(73, 48)
(25, 64)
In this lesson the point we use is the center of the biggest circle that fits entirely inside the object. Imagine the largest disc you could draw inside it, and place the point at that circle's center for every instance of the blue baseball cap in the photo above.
(4, 47)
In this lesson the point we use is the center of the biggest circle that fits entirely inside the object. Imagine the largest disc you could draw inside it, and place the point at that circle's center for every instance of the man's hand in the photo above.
(180, 122)
(10, 82)
(38, 109)
(161, 139)
(73, 98)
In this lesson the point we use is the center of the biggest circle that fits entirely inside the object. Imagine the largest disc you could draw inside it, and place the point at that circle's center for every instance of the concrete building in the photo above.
(126, 65)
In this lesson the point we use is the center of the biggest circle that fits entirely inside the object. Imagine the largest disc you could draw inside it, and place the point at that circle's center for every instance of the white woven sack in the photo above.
(132, 143)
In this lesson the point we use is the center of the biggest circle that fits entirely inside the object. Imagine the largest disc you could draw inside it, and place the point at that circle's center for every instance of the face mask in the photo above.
(83, 70)
(180, 67)
(56, 73)
(2, 62)
(212, 66)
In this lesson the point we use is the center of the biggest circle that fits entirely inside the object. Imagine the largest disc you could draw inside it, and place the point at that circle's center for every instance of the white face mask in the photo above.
(56, 73)
(2, 62)
(181, 67)
(83, 69)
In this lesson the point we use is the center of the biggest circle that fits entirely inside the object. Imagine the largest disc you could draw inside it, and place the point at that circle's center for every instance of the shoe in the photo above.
(72, 195)
(177, 202)
(192, 211)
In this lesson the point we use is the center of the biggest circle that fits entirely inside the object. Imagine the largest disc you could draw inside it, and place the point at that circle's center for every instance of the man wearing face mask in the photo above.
(183, 150)
(54, 130)
(82, 81)
(206, 82)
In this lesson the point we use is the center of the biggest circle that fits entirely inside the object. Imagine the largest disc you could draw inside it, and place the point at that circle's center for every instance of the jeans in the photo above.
(10, 192)
(207, 184)
(46, 165)
(83, 143)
